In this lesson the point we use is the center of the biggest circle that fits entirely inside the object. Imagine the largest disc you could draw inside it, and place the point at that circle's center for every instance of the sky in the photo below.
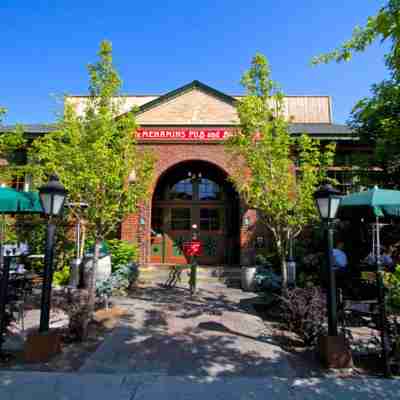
(158, 46)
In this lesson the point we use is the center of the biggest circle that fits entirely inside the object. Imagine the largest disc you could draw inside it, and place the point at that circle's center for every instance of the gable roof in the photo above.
(186, 88)
(33, 129)
(320, 131)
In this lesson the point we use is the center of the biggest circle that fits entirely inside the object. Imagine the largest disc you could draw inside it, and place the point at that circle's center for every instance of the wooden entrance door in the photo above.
(181, 202)
(211, 222)
(177, 229)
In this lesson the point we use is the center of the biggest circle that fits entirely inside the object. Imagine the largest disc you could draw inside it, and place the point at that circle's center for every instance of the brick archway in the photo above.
(138, 227)
(169, 155)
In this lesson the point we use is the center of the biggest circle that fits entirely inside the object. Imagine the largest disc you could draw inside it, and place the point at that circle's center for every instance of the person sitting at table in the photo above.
(339, 258)
(340, 263)
(385, 257)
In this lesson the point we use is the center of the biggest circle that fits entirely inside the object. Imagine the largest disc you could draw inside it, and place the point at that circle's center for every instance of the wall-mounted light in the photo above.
(194, 177)
(141, 221)
(132, 177)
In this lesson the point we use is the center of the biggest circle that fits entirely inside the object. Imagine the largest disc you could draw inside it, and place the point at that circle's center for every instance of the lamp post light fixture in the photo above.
(52, 198)
(327, 200)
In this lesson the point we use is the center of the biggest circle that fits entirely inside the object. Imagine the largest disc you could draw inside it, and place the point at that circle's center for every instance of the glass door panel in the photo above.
(157, 238)
(178, 231)
(212, 235)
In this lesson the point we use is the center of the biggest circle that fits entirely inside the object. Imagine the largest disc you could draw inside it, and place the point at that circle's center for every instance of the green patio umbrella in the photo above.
(14, 202)
(370, 204)
(374, 205)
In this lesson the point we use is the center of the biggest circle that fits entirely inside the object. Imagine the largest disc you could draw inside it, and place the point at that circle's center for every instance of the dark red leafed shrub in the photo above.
(304, 312)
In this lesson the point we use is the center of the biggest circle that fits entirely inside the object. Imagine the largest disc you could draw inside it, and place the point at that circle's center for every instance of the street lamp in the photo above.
(52, 197)
(327, 200)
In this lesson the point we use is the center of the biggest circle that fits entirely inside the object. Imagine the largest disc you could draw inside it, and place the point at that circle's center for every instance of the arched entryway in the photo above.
(195, 192)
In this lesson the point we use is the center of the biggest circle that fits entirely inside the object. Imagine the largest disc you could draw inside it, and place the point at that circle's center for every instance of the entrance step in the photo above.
(214, 274)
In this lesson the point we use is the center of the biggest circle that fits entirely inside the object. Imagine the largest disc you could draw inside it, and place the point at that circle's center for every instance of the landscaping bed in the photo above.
(74, 353)
(364, 342)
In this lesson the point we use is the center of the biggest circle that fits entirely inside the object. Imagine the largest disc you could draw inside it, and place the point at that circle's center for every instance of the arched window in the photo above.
(182, 190)
(201, 189)
(209, 190)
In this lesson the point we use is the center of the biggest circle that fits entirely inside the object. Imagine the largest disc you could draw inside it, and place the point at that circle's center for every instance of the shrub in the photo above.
(304, 312)
(392, 283)
(74, 304)
(266, 279)
(122, 252)
(119, 281)
(260, 259)
(61, 277)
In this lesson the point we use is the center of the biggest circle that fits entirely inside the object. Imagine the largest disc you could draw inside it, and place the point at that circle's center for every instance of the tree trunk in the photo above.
(91, 291)
(280, 247)
(92, 280)
(284, 271)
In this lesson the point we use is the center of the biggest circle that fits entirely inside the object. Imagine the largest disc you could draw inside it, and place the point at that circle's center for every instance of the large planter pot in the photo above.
(248, 278)
(334, 352)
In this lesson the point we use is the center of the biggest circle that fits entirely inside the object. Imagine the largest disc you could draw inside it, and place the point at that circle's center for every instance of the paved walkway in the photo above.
(170, 346)
(168, 333)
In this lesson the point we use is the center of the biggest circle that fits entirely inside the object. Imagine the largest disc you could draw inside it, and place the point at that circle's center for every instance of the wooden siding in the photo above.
(197, 107)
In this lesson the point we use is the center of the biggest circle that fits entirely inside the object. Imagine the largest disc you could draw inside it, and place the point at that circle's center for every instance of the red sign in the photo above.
(182, 134)
(193, 248)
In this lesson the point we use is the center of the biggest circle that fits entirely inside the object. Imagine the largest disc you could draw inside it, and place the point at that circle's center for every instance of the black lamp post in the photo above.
(328, 199)
(52, 198)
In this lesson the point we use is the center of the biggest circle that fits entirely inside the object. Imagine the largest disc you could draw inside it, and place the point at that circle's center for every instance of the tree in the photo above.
(12, 150)
(94, 155)
(375, 119)
(2, 113)
(385, 25)
(268, 177)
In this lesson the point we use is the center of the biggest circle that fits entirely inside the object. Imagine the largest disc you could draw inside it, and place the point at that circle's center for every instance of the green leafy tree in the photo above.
(276, 174)
(94, 154)
(2, 113)
(375, 119)
(13, 151)
(385, 25)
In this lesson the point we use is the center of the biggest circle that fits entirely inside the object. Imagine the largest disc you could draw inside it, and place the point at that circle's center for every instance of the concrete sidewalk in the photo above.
(79, 386)
(172, 346)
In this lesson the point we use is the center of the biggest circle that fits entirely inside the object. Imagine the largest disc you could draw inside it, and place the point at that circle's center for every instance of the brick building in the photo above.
(185, 129)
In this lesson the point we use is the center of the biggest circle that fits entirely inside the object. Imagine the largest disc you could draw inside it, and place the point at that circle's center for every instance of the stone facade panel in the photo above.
(192, 107)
